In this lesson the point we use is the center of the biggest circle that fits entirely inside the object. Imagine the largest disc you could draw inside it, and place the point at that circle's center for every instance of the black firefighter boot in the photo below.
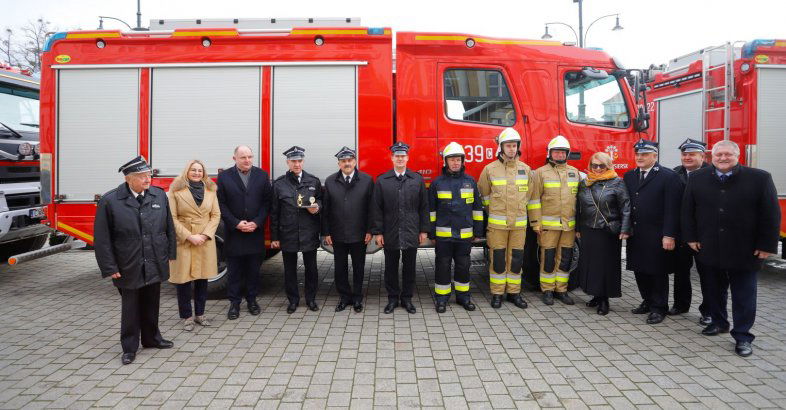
(464, 301)
(496, 301)
(442, 305)
(517, 300)
(548, 297)
(564, 297)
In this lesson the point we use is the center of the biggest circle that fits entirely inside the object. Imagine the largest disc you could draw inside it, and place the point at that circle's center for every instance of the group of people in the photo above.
(724, 215)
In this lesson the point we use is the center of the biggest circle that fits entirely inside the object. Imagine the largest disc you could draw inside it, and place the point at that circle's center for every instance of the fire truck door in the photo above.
(477, 104)
(596, 114)
(97, 129)
(314, 107)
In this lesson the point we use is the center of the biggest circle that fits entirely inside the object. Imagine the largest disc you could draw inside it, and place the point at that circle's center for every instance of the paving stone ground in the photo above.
(59, 347)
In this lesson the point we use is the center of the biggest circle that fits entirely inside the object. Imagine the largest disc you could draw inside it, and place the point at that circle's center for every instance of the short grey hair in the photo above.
(728, 144)
(237, 148)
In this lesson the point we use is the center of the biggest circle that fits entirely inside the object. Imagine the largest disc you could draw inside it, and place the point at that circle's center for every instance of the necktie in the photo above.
(140, 198)
(347, 178)
(724, 177)
(642, 175)
(399, 177)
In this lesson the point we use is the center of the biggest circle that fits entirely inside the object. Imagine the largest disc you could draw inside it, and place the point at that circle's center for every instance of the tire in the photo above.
(217, 285)
(22, 246)
(57, 238)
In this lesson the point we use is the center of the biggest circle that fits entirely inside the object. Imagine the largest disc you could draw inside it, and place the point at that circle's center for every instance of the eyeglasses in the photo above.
(598, 166)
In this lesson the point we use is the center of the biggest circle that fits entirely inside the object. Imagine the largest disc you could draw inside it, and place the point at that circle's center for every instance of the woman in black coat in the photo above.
(603, 215)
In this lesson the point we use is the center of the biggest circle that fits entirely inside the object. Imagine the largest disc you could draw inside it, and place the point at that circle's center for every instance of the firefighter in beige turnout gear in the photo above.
(552, 212)
(504, 186)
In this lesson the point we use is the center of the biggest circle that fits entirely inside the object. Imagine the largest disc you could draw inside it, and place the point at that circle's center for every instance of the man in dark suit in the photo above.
(655, 195)
(731, 218)
(346, 225)
(244, 195)
(401, 224)
(692, 158)
(134, 242)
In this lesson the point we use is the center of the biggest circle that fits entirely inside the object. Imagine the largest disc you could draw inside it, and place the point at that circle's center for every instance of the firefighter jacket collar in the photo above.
(446, 171)
(509, 162)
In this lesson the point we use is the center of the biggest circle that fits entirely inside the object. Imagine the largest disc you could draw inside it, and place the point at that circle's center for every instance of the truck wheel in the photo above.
(217, 286)
(57, 238)
(22, 246)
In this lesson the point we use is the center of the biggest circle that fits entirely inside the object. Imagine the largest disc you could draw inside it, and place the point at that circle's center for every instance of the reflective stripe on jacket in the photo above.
(505, 189)
(552, 205)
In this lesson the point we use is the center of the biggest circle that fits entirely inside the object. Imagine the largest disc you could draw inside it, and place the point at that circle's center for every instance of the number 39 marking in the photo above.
(478, 153)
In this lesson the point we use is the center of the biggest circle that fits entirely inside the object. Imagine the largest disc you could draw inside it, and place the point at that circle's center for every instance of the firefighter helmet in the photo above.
(509, 135)
(558, 142)
(454, 149)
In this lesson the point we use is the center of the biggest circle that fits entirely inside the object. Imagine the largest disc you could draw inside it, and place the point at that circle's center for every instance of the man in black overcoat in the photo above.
(731, 218)
(295, 226)
(134, 240)
(655, 195)
(692, 159)
(401, 224)
(346, 225)
(244, 196)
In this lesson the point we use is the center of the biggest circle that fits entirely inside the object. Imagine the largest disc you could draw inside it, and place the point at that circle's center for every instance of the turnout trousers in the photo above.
(556, 255)
(457, 253)
(506, 256)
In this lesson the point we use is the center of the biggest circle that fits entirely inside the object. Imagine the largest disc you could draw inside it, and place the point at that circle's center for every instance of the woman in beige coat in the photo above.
(194, 205)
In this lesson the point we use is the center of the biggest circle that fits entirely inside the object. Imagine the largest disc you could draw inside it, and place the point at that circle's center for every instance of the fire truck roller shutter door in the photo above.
(203, 112)
(97, 129)
(679, 117)
(770, 124)
(316, 108)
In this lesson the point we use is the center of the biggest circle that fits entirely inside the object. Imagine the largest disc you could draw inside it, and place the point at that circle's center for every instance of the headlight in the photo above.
(25, 149)
(37, 149)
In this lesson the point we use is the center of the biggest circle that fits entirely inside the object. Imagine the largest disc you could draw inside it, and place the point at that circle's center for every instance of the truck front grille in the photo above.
(22, 201)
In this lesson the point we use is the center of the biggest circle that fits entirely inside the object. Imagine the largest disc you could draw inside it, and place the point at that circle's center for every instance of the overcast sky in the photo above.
(654, 30)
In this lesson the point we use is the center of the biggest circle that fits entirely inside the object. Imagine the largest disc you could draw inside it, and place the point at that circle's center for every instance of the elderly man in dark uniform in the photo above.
(401, 224)
(134, 242)
(655, 195)
(295, 226)
(346, 225)
(692, 158)
(731, 219)
(244, 195)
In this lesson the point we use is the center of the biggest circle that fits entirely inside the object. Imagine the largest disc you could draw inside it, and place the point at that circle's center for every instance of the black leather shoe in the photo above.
(496, 301)
(358, 306)
(603, 307)
(654, 318)
(291, 308)
(743, 349)
(467, 305)
(312, 305)
(234, 311)
(128, 358)
(674, 311)
(564, 297)
(162, 344)
(441, 307)
(642, 309)
(408, 306)
(253, 308)
(548, 297)
(392, 305)
(341, 306)
(705, 320)
(713, 330)
(517, 300)
(593, 302)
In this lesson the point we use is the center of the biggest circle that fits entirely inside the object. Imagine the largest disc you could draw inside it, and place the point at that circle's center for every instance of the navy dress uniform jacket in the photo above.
(296, 228)
(136, 240)
(238, 203)
(346, 216)
(731, 219)
(655, 213)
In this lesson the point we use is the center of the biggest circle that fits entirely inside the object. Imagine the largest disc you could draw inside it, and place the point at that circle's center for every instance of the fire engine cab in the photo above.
(197, 88)
(734, 91)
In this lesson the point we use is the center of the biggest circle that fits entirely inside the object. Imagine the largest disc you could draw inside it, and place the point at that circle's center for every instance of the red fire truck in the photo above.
(181, 91)
(734, 91)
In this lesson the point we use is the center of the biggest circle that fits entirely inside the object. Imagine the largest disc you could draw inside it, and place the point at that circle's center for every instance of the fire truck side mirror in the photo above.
(642, 120)
(574, 156)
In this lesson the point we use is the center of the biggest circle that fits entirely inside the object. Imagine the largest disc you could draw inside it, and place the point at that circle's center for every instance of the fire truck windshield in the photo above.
(595, 101)
(19, 109)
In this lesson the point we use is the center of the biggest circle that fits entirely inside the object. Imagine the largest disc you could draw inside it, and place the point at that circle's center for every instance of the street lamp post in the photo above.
(581, 36)
(138, 19)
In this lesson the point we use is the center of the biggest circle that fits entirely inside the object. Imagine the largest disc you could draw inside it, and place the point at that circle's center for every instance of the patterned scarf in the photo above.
(593, 177)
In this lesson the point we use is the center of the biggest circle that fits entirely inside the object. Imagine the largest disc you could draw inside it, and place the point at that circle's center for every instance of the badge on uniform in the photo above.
(470, 200)
(156, 206)
(305, 198)
(523, 188)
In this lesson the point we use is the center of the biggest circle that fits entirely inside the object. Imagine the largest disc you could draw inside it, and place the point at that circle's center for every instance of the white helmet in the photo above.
(454, 149)
(509, 135)
(558, 142)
